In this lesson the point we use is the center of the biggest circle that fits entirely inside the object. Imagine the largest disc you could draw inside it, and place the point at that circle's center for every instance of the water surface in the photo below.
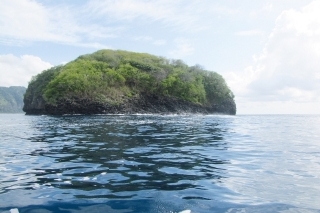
(160, 163)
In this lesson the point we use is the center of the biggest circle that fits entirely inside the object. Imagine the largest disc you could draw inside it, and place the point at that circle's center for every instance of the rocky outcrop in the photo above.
(34, 104)
(111, 82)
(142, 104)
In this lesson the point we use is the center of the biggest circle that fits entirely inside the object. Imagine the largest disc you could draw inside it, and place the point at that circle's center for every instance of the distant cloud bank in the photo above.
(288, 67)
(17, 71)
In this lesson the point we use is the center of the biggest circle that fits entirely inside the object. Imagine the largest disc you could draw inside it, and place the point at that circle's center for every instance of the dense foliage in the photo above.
(112, 76)
(11, 99)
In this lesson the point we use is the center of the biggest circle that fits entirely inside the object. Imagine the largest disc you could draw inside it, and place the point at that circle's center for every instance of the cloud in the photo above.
(180, 14)
(143, 38)
(249, 33)
(26, 21)
(17, 71)
(90, 24)
(288, 68)
(183, 48)
(157, 42)
(160, 42)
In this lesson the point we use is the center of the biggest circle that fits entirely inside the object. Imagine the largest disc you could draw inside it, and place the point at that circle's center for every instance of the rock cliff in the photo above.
(143, 104)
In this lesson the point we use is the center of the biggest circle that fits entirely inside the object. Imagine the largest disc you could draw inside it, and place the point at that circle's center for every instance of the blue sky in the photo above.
(268, 51)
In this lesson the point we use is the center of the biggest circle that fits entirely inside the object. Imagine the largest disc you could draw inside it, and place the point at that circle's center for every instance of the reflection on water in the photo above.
(118, 157)
(125, 156)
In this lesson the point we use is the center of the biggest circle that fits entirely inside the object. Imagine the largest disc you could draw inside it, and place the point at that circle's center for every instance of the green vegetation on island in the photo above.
(11, 99)
(110, 77)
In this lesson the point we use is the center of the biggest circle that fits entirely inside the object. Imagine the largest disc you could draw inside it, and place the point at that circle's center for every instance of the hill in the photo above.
(11, 99)
(115, 81)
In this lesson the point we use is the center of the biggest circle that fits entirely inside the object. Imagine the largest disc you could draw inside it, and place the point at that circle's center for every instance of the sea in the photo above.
(160, 163)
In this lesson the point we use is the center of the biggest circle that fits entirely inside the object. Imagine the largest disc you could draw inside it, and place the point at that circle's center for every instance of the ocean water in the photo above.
(160, 163)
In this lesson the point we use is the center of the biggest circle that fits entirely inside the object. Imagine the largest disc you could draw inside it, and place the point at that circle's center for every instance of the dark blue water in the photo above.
(154, 163)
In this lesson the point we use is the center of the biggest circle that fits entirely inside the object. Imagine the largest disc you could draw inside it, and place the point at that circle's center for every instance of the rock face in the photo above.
(143, 104)
(34, 104)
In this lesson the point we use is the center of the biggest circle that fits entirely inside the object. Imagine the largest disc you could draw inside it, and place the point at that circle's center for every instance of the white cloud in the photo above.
(25, 21)
(90, 22)
(143, 38)
(249, 33)
(180, 14)
(17, 71)
(29, 20)
(160, 42)
(93, 23)
(157, 42)
(288, 68)
(183, 48)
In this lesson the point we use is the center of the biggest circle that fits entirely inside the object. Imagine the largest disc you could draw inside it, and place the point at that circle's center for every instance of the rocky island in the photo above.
(115, 81)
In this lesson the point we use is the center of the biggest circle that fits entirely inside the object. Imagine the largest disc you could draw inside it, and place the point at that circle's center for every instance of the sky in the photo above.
(268, 51)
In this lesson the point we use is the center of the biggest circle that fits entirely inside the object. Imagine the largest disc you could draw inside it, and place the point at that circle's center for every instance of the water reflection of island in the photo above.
(122, 156)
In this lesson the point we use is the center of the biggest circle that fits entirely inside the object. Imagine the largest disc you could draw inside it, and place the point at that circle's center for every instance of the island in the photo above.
(117, 82)
(11, 99)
